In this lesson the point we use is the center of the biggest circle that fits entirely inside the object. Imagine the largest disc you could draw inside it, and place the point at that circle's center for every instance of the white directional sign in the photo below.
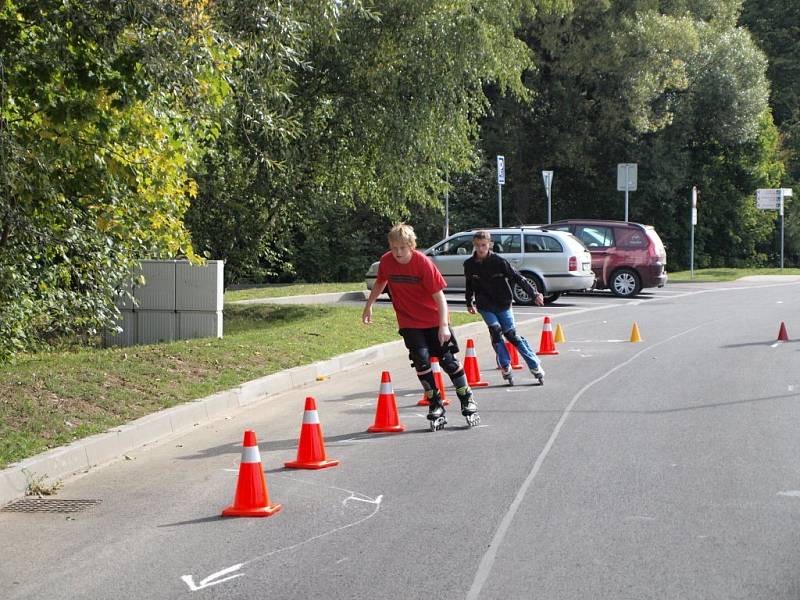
(547, 176)
(501, 170)
(626, 177)
(769, 199)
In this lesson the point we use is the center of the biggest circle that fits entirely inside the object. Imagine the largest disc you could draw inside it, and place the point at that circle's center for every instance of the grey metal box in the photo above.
(199, 287)
(199, 324)
(156, 326)
(158, 292)
(127, 337)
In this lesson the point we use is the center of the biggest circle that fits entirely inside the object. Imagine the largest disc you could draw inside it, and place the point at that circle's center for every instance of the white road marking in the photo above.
(487, 562)
(210, 580)
(790, 493)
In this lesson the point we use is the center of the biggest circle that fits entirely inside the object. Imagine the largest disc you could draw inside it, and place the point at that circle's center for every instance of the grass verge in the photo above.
(293, 289)
(49, 399)
(724, 274)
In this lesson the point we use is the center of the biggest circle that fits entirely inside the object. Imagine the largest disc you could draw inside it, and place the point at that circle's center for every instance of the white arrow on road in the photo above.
(212, 579)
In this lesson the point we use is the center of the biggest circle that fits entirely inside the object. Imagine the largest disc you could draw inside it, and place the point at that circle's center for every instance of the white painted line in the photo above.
(790, 493)
(210, 580)
(487, 562)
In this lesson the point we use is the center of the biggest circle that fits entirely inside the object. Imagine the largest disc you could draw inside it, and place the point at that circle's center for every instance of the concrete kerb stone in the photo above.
(100, 449)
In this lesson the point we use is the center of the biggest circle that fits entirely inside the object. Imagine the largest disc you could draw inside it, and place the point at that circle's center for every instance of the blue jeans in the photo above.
(505, 318)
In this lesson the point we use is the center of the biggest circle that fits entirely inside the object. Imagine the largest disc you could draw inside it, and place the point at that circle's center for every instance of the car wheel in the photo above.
(522, 297)
(625, 283)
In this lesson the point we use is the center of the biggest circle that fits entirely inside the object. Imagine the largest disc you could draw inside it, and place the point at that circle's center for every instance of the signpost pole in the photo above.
(780, 200)
(691, 237)
(627, 183)
(447, 207)
(501, 179)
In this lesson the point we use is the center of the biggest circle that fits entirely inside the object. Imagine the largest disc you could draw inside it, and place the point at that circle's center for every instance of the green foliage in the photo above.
(102, 110)
(378, 104)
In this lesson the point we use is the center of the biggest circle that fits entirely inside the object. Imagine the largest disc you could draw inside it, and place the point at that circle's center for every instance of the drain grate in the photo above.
(48, 505)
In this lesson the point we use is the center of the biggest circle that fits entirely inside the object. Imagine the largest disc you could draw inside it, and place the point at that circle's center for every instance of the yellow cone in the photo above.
(560, 339)
(635, 337)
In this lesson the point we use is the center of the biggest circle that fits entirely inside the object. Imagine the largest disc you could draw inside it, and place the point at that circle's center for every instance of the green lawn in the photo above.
(49, 399)
(293, 289)
(723, 274)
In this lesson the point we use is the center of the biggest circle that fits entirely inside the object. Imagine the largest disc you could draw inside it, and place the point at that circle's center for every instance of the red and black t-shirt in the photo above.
(412, 287)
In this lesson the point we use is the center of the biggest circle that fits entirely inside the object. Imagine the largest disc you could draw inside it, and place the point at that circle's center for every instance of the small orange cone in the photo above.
(546, 343)
(251, 499)
(560, 339)
(635, 337)
(437, 377)
(783, 336)
(514, 355)
(311, 450)
(386, 417)
(471, 369)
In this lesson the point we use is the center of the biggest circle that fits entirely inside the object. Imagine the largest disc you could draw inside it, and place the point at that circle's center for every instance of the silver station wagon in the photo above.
(555, 261)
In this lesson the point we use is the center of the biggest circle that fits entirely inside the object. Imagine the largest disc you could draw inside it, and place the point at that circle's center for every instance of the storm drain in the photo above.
(48, 505)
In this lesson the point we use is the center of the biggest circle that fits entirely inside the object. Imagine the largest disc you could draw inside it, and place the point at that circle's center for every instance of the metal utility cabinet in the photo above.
(178, 301)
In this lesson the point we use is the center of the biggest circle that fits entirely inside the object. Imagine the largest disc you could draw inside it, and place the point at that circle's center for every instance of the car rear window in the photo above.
(541, 243)
(659, 245)
(630, 237)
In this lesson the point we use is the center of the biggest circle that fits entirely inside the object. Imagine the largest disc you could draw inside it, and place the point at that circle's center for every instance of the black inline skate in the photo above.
(468, 407)
(435, 410)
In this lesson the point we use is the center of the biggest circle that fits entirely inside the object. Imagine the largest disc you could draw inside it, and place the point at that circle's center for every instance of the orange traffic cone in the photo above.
(251, 499)
(471, 369)
(311, 450)
(783, 336)
(386, 417)
(512, 352)
(437, 377)
(546, 344)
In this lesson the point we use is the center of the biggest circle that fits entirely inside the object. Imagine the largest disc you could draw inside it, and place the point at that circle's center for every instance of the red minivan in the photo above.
(626, 257)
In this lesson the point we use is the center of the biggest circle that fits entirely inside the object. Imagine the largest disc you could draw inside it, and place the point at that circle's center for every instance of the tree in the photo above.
(102, 110)
(384, 99)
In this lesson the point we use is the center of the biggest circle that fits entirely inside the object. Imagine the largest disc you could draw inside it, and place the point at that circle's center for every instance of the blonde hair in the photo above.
(403, 233)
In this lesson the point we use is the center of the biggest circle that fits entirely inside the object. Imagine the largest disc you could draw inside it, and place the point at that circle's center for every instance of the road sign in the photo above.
(694, 205)
(626, 177)
(769, 199)
(547, 176)
(501, 170)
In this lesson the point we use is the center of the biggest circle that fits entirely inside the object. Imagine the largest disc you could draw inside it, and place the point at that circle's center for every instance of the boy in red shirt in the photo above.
(416, 288)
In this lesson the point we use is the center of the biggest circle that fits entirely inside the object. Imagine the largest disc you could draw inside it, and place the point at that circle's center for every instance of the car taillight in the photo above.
(573, 263)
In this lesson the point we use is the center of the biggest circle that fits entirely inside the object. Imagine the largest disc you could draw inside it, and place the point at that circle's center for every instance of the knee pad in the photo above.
(449, 363)
(496, 333)
(420, 359)
(512, 336)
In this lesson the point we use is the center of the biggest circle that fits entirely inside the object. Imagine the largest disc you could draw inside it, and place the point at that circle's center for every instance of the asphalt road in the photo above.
(666, 469)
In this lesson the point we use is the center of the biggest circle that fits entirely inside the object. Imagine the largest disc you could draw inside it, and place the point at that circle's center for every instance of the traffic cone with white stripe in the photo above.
(471, 369)
(311, 450)
(251, 499)
(437, 377)
(547, 344)
(386, 417)
(513, 355)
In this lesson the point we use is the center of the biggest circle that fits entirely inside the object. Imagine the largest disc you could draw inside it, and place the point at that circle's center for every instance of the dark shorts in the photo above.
(429, 338)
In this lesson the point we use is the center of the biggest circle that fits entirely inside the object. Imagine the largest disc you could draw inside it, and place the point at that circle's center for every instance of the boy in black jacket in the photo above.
(487, 275)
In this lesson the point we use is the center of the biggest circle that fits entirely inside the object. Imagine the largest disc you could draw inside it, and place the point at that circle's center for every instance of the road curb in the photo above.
(104, 448)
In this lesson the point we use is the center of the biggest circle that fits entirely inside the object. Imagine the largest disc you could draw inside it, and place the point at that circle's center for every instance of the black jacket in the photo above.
(488, 281)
